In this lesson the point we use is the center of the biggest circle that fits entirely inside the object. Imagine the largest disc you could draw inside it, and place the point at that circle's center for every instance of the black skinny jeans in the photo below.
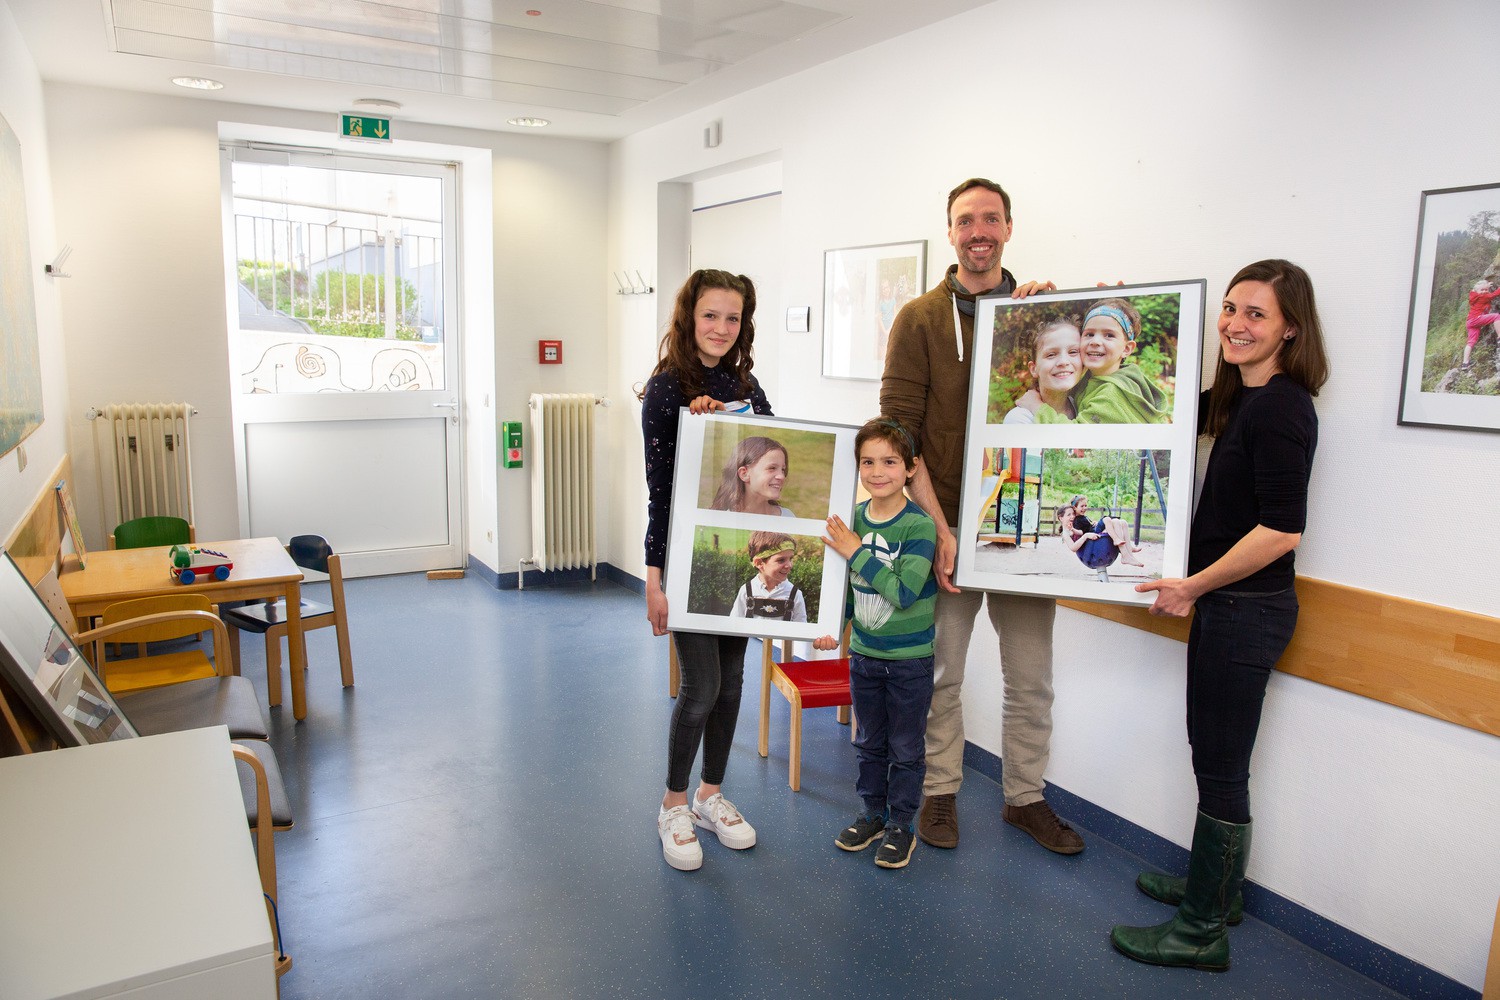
(1234, 643)
(708, 705)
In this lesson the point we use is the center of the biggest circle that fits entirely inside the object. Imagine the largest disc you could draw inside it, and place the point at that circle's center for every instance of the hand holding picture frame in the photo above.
(750, 499)
(863, 289)
(1076, 424)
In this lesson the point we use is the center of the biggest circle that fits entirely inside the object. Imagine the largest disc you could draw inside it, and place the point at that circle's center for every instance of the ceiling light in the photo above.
(377, 102)
(529, 122)
(197, 83)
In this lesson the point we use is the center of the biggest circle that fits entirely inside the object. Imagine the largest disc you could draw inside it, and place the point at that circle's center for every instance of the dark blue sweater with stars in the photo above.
(659, 427)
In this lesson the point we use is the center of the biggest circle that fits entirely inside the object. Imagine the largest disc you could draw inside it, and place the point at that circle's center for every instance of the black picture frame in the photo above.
(1448, 381)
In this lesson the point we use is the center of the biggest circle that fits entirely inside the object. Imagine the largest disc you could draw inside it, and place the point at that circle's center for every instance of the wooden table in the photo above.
(262, 570)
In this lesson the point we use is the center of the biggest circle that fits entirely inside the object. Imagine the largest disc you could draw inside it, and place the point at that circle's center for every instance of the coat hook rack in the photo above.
(631, 286)
(54, 269)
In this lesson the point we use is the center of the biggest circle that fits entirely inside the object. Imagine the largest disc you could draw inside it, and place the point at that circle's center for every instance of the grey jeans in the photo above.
(1024, 625)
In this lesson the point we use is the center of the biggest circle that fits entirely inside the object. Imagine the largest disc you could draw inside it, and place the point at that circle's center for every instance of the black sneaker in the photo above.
(895, 847)
(864, 831)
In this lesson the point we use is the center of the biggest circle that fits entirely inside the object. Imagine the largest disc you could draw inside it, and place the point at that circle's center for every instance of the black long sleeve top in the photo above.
(664, 397)
(1257, 474)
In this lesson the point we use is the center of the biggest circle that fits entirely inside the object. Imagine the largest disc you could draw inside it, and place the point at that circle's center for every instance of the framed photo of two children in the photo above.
(1081, 441)
(751, 496)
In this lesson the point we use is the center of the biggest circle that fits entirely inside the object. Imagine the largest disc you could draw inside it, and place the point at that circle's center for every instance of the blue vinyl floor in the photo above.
(476, 818)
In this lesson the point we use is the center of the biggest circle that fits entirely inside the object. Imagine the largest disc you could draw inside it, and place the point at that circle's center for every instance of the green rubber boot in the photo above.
(1169, 889)
(1196, 936)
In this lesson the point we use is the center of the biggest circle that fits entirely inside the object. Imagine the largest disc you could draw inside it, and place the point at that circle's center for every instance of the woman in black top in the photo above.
(1251, 513)
(706, 357)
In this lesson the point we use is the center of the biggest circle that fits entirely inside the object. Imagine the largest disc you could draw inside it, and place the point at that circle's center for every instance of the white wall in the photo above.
(21, 104)
(137, 190)
(1163, 141)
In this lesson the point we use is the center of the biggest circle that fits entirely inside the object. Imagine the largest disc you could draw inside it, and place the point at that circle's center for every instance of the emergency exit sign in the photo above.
(363, 127)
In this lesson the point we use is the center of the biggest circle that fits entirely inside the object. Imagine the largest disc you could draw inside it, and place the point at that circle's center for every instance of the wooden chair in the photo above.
(311, 552)
(159, 619)
(805, 684)
(1492, 972)
(144, 532)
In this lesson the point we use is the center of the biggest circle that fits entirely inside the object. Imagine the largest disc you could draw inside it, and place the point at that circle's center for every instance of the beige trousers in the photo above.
(1024, 625)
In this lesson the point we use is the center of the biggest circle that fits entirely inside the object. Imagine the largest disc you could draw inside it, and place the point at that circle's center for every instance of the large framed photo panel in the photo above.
(750, 501)
(1080, 442)
(1452, 372)
(863, 290)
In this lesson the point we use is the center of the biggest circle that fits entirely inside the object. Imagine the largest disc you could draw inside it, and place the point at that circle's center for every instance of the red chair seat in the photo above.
(821, 683)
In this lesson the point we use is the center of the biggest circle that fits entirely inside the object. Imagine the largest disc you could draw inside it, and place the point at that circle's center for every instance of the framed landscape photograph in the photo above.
(1451, 376)
(1075, 427)
(863, 289)
(749, 505)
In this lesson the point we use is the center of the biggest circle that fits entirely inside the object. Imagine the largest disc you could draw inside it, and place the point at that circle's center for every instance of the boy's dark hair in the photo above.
(892, 433)
(971, 184)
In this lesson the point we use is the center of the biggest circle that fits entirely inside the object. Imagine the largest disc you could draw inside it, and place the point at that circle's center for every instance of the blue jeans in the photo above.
(1234, 643)
(891, 700)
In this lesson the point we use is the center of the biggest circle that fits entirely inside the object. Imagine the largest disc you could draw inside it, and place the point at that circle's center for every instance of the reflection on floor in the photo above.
(476, 818)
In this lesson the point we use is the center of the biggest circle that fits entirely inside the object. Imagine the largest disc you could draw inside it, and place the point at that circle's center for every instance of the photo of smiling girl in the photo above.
(753, 478)
(1112, 390)
(1056, 366)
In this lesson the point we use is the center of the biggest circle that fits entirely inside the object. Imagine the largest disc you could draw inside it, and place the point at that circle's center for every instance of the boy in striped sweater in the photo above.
(892, 595)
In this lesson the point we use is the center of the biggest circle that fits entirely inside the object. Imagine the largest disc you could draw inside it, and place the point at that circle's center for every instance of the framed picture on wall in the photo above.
(1451, 376)
(863, 289)
(1080, 443)
(750, 503)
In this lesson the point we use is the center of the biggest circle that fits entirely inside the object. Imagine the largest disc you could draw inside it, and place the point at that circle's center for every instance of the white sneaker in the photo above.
(679, 844)
(718, 814)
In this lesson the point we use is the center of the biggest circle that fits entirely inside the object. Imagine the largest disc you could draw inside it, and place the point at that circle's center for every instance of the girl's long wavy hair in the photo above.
(678, 352)
(731, 494)
(1303, 359)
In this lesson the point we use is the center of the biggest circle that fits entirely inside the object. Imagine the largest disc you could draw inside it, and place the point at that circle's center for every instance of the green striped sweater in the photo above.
(892, 592)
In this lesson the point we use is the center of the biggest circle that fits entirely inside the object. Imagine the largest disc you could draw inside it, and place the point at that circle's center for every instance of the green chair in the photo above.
(145, 532)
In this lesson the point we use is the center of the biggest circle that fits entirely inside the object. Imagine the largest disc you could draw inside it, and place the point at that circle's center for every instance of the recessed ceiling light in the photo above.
(529, 122)
(377, 102)
(197, 83)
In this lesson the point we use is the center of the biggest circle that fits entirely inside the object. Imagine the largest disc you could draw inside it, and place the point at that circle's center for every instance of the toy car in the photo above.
(189, 562)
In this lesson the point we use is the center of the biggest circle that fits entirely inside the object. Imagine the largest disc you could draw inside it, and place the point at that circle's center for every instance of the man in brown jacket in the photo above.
(926, 388)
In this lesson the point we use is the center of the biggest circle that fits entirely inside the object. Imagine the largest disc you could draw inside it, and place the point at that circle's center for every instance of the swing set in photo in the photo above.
(1075, 515)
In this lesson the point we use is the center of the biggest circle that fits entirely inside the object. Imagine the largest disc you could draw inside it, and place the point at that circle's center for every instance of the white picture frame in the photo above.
(708, 557)
(863, 290)
(1013, 543)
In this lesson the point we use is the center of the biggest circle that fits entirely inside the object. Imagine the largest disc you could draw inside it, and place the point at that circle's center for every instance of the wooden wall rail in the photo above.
(1430, 659)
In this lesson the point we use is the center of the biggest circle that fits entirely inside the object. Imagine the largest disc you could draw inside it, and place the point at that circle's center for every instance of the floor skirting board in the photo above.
(1394, 971)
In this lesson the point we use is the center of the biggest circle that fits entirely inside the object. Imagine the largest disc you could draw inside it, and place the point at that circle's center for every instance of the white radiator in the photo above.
(562, 481)
(146, 463)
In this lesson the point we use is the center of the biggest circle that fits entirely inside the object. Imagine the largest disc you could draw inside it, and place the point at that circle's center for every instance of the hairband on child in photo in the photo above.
(1114, 313)
(786, 546)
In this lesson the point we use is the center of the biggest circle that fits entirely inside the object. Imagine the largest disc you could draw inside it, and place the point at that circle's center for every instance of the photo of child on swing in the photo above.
(1103, 358)
(1094, 514)
(750, 467)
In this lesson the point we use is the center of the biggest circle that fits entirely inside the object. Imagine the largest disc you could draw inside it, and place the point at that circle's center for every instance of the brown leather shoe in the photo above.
(938, 822)
(1045, 827)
